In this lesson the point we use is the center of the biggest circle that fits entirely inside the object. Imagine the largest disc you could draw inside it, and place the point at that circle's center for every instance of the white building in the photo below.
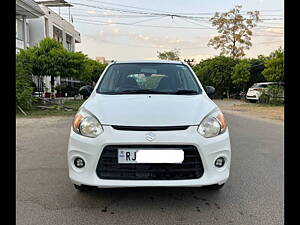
(25, 9)
(102, 60)
(54, 26)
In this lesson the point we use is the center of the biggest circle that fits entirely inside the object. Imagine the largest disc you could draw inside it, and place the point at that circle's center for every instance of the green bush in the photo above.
(71, 91)
(274, 66)
(276, 94)
(264, 98)
(24, 97)
(273, 95)
(58, 88)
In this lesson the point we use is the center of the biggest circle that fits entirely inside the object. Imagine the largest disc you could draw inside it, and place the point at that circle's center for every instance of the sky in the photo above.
(109, 30)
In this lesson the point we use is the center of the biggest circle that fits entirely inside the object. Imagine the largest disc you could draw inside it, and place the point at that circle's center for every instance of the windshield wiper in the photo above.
(185, 92)
(141, 91)
(149, 91)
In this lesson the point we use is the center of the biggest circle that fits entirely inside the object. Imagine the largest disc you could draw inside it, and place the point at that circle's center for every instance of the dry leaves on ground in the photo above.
(263, 111)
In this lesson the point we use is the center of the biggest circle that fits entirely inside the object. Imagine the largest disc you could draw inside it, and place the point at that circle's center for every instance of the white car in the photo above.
(255, 91)
(149, 123)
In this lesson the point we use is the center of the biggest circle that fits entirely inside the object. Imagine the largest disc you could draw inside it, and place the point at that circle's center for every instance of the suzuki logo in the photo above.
(150, 136)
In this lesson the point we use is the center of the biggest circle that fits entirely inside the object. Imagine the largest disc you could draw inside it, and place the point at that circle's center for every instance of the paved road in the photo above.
(253, 194)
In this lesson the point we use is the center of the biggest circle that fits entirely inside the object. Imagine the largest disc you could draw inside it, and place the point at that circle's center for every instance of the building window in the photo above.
(57, 34)
(46, 27)
(27, 33)
(69, 42)
(19, 29)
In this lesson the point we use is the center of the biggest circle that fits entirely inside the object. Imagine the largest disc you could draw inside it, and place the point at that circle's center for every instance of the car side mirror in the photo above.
(86, 91)
(210, 90)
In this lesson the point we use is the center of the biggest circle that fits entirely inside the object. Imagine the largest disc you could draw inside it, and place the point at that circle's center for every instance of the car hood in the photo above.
(149, 110)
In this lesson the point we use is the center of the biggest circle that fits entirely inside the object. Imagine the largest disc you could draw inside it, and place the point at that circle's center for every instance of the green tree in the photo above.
(241, 74)
(24, 62)
(24, 89)
(256, 68)
(74, 65)
(274, 66)
(217, 72)
(93, 70)
(50, 58)
(201, 69)
(169, 55)
(235, 31)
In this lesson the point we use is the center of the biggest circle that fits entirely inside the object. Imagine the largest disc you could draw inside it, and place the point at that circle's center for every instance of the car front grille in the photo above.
(109, 168)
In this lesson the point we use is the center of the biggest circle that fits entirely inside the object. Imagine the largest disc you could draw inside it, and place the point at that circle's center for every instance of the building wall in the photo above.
(39, 30)
(66, 27)
(25, 9)
(102, 60)
(36, 30)
(22, 33)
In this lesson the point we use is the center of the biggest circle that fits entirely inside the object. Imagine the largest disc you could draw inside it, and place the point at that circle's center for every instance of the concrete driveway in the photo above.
(253, 194)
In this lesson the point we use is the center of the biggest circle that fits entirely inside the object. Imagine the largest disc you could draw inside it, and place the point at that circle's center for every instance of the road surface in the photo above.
(252, 195)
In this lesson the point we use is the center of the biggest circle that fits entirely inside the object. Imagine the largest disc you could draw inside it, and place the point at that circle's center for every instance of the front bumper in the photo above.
(253, 95)
(90, 150)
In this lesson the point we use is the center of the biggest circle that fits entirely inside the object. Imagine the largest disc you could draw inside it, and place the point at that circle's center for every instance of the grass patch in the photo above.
(55, 110)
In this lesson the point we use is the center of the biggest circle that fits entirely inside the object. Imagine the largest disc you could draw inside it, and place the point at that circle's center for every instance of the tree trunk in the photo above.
(233, 54)
(52, 86)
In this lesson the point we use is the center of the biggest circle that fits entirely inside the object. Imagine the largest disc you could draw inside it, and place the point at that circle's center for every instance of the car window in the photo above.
(277, 84)
(152, 77)
(263, 86)
(259, 86)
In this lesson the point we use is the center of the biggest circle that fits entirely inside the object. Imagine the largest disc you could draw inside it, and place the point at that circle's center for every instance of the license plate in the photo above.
(150, 156)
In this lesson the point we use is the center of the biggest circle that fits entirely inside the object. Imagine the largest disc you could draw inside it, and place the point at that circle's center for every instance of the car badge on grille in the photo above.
(150, 136)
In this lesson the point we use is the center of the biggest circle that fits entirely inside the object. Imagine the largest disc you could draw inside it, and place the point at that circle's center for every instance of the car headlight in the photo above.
(213, 125)
(86, 124)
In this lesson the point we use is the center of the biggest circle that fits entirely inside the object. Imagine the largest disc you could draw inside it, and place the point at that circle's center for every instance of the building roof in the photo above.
(55, 3)
(28, 8)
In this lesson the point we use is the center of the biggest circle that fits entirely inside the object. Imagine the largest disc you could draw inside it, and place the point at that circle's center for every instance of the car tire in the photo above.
(82, 187)
(214, 186)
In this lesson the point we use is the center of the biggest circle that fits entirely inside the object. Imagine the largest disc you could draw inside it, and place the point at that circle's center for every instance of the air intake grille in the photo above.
(109, 168)
(142, 128)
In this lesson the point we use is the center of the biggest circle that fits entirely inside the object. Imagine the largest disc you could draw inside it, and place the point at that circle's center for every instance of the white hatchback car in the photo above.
(256, 90)
(149, 123)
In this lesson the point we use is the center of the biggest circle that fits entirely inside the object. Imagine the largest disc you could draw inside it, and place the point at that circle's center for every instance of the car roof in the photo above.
(149, 61)
(267, 83)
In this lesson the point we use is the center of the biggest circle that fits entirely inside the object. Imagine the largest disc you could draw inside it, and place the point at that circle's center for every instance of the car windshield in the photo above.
(260, 86)
(148, 78)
